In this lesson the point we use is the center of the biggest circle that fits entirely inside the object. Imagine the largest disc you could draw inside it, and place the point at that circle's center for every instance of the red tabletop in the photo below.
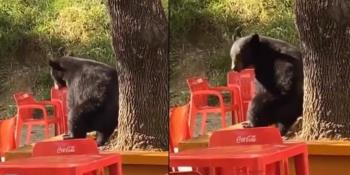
(62, 164)
(240, 155)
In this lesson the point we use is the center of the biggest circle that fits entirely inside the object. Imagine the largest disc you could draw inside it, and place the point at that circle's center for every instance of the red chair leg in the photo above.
(192, 121)
(223, 119)
(101, 171)
(58, 127)
(233, 118)
(286, 167)
(115, 169)
(203, 170)
(260, 169)
(240, 114)
(46, 130)
(65, 126)
(245, 110)
(236, 117)
(301, 164)
(18, 133)
(203, 123)
(29, 134)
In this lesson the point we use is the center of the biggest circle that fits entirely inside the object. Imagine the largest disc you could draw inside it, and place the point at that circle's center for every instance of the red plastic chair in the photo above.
(250, 136)
(244, 81)
(7, 135)
(179, 127)
(64, 147)
(234, 81)
(24, 103)
(200, 90)
(59, 98)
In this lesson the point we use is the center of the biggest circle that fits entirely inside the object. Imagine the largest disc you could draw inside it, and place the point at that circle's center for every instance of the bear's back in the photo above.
(281, 47)
(279, 70)
(70, 62)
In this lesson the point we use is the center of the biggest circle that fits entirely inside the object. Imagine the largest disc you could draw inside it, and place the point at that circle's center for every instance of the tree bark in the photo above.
(140, 41)
(325, 41)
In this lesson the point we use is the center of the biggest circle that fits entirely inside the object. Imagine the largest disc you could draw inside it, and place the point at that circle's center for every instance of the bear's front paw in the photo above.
(247, 125)
(67, 137)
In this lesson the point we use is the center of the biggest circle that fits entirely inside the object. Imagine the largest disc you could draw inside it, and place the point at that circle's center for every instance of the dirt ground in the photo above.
(213, 123)
(37, 133)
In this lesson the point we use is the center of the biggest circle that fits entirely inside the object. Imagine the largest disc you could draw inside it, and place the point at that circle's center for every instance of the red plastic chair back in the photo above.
(61, 95)
(245, 80)
(233, 78)
(65, 147)
(179, 126)
(24, 98)
(195, 84)
(247, 88)
(7, 135)
(247, 84)
(247, 136)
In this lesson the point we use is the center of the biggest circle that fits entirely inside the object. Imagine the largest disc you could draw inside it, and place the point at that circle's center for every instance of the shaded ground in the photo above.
(37, 133)
(213, 123)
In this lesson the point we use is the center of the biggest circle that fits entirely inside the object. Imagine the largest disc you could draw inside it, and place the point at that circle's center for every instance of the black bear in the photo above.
(92, 96)
(278, 79)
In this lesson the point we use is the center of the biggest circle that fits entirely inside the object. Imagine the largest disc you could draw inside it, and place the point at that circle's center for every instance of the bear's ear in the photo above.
(55, 64)
(254, 41)
(234, 37)
(62, 51)
(255, 38)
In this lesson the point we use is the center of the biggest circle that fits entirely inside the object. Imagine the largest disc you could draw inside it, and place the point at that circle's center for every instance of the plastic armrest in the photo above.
(35, 106)
(210, 92)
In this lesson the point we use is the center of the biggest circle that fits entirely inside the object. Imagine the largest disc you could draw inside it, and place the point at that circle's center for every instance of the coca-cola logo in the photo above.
(246, 139)
(67, 149)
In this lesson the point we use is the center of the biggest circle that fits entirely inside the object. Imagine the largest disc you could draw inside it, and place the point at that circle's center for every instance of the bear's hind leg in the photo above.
(260, 111)
(77, 124)
(102, 137)
(79, 130)
(284, 126)
(283, 129)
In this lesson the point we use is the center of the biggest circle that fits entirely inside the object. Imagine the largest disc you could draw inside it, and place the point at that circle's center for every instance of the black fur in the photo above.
(92, 96)
(279, 79)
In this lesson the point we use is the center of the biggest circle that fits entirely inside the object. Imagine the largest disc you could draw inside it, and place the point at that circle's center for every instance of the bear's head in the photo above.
(243, 52)
(57, 73)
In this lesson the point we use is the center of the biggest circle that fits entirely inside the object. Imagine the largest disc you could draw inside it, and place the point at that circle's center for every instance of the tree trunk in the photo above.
(325, 41)
(140, 41)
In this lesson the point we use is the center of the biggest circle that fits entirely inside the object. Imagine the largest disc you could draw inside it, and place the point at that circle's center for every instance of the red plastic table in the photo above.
(253, 157)
(62, 165)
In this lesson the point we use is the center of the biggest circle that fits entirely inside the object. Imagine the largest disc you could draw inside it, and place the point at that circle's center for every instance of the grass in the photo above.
(200, 36)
